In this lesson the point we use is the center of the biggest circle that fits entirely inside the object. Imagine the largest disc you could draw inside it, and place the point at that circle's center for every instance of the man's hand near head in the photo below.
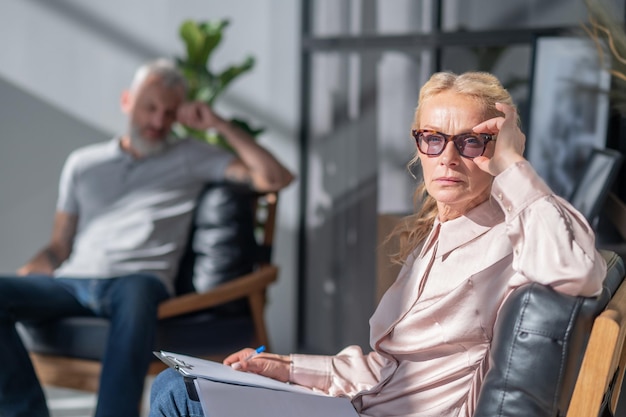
(254, 165)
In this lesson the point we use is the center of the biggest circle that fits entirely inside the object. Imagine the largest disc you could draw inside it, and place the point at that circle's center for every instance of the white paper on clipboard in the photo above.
(224, 391)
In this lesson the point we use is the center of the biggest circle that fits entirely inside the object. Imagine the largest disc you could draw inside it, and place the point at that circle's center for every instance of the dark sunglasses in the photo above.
(470, 144)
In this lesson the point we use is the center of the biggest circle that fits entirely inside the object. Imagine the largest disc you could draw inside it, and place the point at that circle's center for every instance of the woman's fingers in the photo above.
(496, 124)
(267, 364)
(238, 356)
(491, 126)
(509, 144)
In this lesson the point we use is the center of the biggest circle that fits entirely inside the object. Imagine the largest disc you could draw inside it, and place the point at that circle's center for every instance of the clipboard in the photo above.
(222, 390)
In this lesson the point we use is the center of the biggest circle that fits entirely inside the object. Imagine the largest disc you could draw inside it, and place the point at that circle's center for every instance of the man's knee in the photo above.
(15, 290)
(143, 288)
(137, 297)
(9, 288)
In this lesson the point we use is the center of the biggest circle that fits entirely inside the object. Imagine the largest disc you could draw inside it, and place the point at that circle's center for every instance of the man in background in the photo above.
(123, 213)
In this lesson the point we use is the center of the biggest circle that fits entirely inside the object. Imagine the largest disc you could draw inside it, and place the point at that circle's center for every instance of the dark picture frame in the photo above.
(597, 178)
(569, 109)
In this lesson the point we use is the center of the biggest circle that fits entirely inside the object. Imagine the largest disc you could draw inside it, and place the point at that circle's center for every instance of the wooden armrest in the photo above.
(603, 357)
(240, 287)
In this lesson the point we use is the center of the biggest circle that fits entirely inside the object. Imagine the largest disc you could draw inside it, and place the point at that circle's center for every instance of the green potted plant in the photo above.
(201, 38)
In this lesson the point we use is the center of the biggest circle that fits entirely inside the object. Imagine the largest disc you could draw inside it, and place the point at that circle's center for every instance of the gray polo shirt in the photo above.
(134, 214)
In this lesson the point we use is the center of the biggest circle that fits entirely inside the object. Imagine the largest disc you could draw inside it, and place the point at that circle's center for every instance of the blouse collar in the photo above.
(462, 230)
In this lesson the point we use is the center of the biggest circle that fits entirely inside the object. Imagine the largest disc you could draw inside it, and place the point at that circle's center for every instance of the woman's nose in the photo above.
(450, 154)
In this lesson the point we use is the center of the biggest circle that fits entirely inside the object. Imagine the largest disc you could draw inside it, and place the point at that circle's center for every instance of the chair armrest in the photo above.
(604, 357)
(235, 289)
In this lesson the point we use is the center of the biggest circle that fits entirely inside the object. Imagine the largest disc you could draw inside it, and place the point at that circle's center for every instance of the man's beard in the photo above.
(146, 147)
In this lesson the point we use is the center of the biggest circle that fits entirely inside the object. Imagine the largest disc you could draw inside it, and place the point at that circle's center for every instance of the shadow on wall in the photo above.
(36, 139)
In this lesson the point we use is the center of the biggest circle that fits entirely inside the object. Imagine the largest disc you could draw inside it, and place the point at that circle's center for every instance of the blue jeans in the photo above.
(130, 302)
(168, 397)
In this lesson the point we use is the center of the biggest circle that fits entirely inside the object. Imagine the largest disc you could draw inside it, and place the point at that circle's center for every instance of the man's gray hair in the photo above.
(167, 71)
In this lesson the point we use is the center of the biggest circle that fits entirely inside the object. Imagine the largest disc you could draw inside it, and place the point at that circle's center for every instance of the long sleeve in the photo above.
(345, 374)
(552, 242)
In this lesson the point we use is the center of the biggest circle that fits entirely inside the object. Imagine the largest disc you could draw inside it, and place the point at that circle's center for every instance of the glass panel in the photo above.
(359, 144)
(363, 17)
(403, 16)
(498, 14)
(341, 204)
(389, 17)
(331, 17)
(512, 66)
(400, 77)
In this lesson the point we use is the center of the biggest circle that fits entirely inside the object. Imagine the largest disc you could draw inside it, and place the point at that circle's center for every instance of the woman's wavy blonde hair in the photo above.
(486, 90)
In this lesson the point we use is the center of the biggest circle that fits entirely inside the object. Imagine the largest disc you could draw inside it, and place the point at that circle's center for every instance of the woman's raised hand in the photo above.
(510, 141)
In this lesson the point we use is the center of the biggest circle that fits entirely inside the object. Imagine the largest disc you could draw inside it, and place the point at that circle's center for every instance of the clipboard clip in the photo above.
(179, 363)
(173, 361)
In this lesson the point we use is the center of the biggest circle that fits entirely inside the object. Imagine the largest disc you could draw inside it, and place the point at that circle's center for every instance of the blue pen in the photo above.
(258, 350)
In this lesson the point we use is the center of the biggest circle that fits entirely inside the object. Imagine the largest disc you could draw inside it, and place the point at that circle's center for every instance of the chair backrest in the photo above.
(264, 208)
(231, 233)
(540, 338)
(226, 271)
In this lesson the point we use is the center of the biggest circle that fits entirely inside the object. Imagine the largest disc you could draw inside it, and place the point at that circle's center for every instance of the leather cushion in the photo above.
(86, 337)
(222, 244)
(539, 341)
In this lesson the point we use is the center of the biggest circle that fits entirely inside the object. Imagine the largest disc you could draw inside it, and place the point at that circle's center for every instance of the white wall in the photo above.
(74, 58)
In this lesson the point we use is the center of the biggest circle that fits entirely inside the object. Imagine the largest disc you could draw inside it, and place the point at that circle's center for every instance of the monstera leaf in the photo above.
(201, 39)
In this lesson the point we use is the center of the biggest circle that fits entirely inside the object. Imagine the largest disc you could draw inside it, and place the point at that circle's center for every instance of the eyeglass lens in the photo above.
(469, 145)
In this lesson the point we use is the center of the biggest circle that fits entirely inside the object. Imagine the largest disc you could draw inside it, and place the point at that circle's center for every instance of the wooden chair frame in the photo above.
(602, 369)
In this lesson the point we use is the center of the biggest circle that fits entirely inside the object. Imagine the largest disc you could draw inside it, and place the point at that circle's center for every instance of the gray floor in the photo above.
(71, 403)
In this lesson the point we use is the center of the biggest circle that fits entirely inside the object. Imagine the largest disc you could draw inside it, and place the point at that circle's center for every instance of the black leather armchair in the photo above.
(219, 303)
(540, 339)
